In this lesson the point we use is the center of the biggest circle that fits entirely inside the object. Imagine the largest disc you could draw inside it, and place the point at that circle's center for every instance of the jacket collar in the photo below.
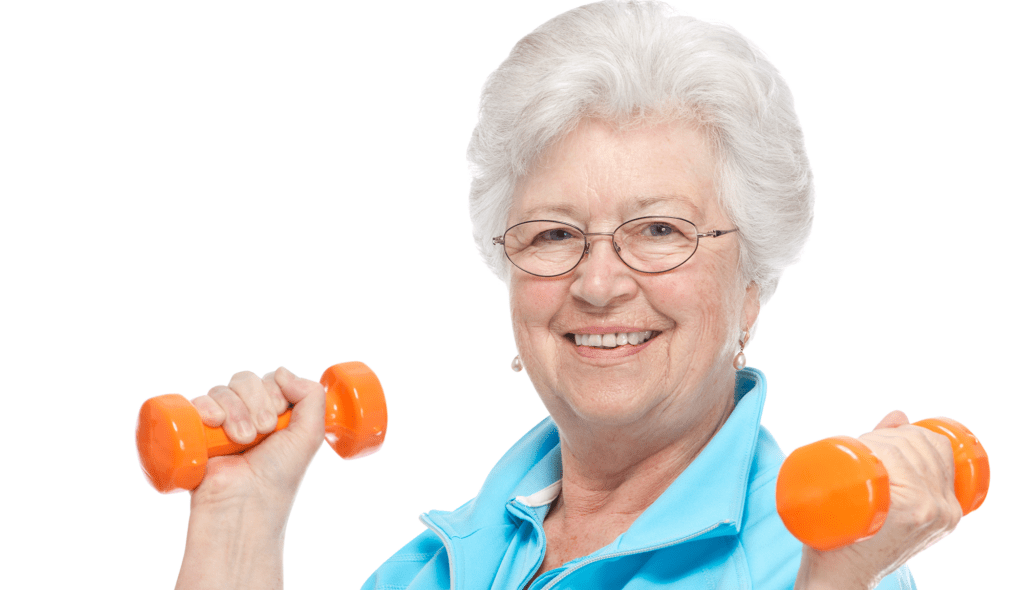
(528, 471)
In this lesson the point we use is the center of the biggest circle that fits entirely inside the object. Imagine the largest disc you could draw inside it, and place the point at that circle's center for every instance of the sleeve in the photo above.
(421, 565)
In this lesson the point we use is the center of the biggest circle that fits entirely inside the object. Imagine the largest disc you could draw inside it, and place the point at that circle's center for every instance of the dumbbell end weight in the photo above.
(171, 443)
(356, 417)
(971, 461)
(832, 493)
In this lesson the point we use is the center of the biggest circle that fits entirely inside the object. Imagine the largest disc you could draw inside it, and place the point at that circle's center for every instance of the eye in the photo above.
(554, 235)
(658, 230)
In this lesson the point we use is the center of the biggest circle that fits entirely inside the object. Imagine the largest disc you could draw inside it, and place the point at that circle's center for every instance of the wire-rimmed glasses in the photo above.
(652, 245)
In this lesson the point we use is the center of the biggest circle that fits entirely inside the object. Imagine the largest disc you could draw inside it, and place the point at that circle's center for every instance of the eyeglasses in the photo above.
(652, 245)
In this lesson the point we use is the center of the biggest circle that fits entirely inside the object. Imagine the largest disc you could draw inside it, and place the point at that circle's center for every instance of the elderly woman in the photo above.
(640, 183)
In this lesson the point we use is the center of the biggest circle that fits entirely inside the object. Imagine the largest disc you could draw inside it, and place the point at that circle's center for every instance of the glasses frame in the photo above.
(500, 240)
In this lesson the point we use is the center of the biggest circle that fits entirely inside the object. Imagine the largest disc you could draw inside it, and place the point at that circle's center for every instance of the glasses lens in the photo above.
(544, 248)
(656, 244)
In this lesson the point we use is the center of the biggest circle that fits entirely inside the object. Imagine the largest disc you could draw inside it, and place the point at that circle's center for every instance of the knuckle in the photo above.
(956, 514)
(210, 412)
(930, 436)
(916, 438)
(937, 514)
(945, 450)
(243, 377)
(937, 441)
(926, 514)
(219, 392)
(203, 401)
(312, 386)
(891, 454)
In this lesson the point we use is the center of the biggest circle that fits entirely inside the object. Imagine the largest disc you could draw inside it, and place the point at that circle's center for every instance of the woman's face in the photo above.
(597, 178)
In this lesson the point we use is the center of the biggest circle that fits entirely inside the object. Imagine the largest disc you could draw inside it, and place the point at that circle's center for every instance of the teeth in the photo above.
(612, 340)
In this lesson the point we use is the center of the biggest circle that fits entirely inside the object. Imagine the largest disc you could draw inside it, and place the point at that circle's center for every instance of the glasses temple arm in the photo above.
(716, 232)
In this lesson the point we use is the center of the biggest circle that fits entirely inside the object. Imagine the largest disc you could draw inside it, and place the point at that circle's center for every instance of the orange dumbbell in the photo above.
(174, 444)
(835, 492)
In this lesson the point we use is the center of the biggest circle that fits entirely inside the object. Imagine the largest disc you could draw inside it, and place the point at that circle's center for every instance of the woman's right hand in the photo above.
(270, 472)
(239, 511)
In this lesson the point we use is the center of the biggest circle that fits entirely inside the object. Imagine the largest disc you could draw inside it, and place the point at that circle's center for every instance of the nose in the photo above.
(602, 279)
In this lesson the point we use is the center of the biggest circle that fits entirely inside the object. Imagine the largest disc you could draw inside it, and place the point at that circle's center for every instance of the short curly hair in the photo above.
(637, 63)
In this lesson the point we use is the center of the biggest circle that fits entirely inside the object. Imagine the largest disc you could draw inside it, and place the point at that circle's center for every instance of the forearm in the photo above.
(238, 546)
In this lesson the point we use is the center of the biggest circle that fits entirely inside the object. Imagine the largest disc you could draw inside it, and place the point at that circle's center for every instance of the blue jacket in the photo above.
(714, 527)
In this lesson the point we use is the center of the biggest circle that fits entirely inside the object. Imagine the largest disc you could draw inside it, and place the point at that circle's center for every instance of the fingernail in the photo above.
(266, 420)
(246, 429)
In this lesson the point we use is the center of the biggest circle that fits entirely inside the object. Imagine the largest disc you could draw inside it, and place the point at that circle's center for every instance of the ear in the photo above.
(751, 305)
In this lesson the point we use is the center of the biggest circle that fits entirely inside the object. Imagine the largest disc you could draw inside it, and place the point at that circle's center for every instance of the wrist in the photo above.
(233, 545)
(829, 570)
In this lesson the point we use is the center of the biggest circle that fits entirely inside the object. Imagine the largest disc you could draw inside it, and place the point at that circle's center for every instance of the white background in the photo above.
(192, 189)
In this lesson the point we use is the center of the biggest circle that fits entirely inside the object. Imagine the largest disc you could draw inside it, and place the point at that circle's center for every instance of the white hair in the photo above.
(636, 63)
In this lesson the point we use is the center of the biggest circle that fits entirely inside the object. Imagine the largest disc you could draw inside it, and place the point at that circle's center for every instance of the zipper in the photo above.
(528, 515)
(447, 547)
(564, 574)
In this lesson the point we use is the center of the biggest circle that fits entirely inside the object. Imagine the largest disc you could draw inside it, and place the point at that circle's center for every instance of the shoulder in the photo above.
(424, 556)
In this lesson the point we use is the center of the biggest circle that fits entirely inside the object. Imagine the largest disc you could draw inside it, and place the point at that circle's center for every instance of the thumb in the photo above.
(306, 397)
(893, 419)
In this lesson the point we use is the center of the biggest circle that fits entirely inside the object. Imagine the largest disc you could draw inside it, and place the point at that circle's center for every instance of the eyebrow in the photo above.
(564, 209)
(570, 211)
(648, 202)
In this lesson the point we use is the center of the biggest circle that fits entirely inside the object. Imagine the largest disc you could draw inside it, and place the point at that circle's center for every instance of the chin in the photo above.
(607, 405)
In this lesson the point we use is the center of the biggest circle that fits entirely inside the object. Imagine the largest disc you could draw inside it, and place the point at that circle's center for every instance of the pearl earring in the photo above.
(517, 365)
(741, 359)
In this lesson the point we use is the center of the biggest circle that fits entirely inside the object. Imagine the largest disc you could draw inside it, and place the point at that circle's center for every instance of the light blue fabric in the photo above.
(715, 527)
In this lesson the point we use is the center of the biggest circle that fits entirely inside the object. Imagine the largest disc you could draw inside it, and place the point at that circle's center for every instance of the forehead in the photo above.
(604, 173)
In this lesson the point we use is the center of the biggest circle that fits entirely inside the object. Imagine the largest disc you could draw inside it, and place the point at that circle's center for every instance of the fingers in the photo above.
(921, 474)
(258, 400)
(280, 403)
(245, 407)
(210, 411)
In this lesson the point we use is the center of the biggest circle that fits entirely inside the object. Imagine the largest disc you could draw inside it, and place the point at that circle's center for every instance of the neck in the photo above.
(612, 473)
(624, 471)
(610, 476)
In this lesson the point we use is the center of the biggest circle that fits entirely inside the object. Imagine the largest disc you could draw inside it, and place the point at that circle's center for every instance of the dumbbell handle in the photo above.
(174, 444)
(835, 492)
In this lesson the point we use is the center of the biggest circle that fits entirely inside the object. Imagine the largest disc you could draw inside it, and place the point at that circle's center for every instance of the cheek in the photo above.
(703, 307)
(688, 298)
(533, 304)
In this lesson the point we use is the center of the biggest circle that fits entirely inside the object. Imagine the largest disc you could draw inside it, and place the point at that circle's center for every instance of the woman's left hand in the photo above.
(923, 508)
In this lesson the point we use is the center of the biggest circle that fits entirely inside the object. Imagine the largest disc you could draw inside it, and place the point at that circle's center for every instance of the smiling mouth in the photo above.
(613, 340)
